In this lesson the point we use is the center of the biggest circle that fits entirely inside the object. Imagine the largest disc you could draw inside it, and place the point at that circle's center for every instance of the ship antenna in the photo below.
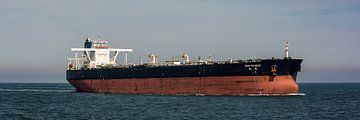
(287, 49)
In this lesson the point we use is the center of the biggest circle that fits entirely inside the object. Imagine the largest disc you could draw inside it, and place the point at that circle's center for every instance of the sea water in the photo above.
(60, 101)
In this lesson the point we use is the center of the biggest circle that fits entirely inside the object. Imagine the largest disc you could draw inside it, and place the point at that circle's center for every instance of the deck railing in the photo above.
(75, 63)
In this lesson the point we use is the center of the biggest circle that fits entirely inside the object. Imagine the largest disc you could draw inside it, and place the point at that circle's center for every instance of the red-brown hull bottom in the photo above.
(228, 85)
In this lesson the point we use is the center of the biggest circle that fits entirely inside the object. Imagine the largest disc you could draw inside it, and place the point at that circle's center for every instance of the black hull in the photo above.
(258, 67)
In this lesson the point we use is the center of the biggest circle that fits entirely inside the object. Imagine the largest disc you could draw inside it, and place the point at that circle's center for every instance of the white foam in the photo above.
(296, 94)
(289, 94)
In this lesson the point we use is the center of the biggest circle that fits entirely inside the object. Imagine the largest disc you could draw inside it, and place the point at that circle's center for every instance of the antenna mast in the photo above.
(287, 49)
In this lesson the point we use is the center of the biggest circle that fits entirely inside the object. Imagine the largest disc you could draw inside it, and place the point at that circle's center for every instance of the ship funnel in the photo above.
(88, 43)
(186, 58)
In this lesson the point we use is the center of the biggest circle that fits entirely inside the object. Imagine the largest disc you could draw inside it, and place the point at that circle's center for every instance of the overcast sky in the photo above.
(36, 35)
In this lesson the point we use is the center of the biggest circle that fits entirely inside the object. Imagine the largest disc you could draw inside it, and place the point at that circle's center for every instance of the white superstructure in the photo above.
(96, 54)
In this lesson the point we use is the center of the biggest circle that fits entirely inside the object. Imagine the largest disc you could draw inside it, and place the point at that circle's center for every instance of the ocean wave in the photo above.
(35, 90)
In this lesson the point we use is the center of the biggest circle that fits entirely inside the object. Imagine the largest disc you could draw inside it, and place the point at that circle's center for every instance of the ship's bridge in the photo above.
(95, 54)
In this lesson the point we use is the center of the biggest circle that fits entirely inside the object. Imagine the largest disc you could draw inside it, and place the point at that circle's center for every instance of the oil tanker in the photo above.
(96, 70)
